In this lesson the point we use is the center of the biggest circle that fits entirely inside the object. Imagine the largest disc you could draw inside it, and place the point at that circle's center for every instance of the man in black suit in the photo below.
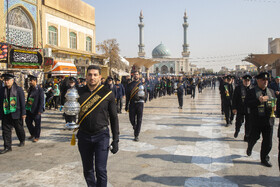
(12, 112)
(34, 108)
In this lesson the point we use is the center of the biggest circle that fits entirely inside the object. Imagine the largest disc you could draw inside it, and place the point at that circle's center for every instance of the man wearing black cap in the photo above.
(260, 101)
(226, 95)
(34, 108)
(239, 107)
(12, 112)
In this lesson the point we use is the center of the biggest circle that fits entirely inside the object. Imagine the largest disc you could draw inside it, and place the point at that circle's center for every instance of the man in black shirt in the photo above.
(259, 100)
(135, 104)
(97, 106)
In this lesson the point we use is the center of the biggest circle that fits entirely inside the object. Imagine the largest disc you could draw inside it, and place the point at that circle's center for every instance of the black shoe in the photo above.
(228, 124)
(5, 150)
(266, 163)
(249, 151)
(136, 139)
(21, 144)
(236, 134)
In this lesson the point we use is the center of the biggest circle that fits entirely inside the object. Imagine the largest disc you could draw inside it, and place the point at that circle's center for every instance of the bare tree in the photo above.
(110, 49)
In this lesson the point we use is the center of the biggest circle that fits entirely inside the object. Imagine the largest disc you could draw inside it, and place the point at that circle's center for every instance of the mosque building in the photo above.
(166, 64)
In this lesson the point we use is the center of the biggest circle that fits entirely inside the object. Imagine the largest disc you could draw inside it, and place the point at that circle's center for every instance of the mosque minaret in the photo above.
(185, 52)
(141, 46)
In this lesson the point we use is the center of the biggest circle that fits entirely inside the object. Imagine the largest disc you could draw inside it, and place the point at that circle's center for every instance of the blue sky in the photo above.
(220, 33)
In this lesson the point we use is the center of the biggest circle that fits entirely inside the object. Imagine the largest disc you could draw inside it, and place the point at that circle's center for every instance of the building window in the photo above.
(20, 30)
(52, 35)
(73, 40)
(88, 44)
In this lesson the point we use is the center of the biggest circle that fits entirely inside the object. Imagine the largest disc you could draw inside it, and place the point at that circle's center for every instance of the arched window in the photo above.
(20, 30)
(52, 35)
(73, 40)
(88, 44)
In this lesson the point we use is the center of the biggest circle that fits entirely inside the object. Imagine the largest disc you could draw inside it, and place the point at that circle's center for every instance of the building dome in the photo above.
(160, 51)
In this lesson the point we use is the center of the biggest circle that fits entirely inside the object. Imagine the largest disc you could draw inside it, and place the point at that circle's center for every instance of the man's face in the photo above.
(93, 77)
(246, 82)
(71, 83)
(277, 80)
(32, 82)
(8, 82)
(262, 83)
(136, 76)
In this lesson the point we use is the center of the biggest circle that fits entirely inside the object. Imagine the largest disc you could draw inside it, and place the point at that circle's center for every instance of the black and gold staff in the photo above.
(97, 107)
(12, 112)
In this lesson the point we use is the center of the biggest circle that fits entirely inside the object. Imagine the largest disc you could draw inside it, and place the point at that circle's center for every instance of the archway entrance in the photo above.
(164, 69)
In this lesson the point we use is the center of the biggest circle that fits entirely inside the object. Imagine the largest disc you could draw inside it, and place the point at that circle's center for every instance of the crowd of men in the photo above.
(253, 101)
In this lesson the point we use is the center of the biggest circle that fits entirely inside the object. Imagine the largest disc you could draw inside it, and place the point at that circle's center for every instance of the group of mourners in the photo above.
(253, 101)
(256, 103)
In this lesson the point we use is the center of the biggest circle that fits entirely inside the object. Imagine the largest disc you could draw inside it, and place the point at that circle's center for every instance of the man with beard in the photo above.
(135, 104)
(97, 107)
(259, 100)
(12, 112)
(34, 108)
(239, 107)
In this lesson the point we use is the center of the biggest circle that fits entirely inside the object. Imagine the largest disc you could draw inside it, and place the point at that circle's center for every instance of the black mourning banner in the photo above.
(23, 58)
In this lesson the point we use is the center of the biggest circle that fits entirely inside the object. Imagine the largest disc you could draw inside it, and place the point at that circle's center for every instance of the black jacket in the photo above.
(99, 117)
(253, 102)
(20, 111)
(38, 94)
(238, 101)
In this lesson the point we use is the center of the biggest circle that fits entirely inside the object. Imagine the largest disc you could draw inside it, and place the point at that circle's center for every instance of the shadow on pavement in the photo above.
(193, 159)
(241, 181)
(169, 181)
(196, 139)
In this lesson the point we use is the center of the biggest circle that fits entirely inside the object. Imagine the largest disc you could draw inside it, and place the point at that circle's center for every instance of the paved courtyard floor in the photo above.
(177, 147)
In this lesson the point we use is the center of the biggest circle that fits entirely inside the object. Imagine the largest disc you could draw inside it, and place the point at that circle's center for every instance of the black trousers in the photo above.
(94, 153)
(264, 127)
(238, 123)
(7, 125)
(193, 93)
(169, 90)
(180, 99)
(119, 105)
(34, 130)
(151, 94)
(56, 99)
(135, 116)
(228, 112)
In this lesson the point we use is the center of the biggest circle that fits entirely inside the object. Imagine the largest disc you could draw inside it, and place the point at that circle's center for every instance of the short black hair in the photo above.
(94, 67)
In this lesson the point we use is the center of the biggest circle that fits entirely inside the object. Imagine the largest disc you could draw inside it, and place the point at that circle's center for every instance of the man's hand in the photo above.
(115, 147)
(39, 113)
(263, 98)
(234, 111)
(23, 117)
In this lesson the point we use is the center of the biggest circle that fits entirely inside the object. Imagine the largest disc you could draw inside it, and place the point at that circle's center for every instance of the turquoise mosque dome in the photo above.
(160, 51)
